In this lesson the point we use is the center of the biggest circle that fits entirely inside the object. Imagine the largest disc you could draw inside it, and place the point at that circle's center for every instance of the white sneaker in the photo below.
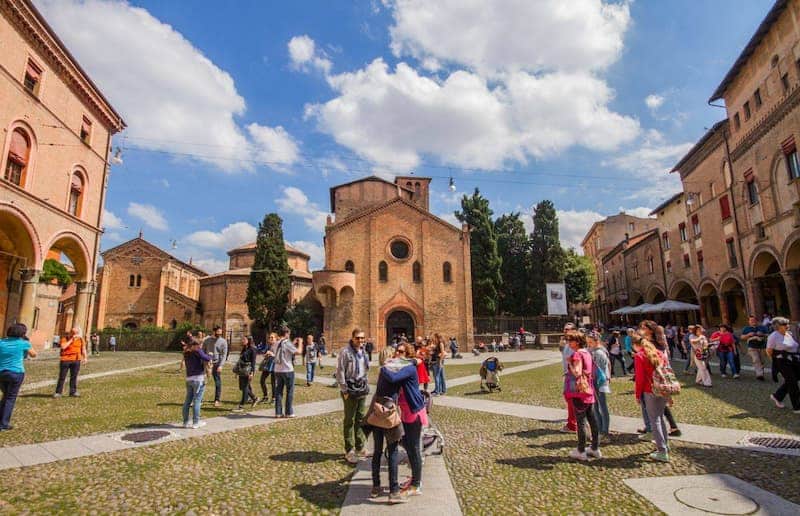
(594, 453)
(199, 424)
(187, 425)
(351, 457)
(575, 454)
(778, 404)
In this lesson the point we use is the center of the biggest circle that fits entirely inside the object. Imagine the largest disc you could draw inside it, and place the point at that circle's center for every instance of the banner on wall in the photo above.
(556, 299)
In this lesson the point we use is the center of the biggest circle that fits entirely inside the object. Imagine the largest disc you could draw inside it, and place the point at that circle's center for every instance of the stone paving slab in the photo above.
(46, 383)
(714, 494)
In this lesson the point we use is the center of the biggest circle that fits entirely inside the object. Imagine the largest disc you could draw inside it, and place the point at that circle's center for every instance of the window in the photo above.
(792, 163)
(383, 272)
(747, 110)
(650, 265)
(417, 272)
(630, 227)
(86, 131)
(737, 122)
(682, 231)
(349, 267)
(757, 97)
(665, 239)
(400, 249)
(75, 195)
(669, 267)
(635, 271)
(700, 263)
(138, 280)
(761, 232)
(752, 187)
(732, 260)
(686, 261)
(785, 82)
(132, 281)
(447, 272)
(33, 77)
(695, 225)
(725, 207)
(19, 154)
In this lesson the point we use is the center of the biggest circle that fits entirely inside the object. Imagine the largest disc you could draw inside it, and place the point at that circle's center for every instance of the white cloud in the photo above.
(166, 89)
(148, 214)
(111, 221)
(573, 226)
(210, 265)
(315, 251)
(640, 211)
(274, 145)
(304, 56)
(529, 35)
(230, 237)
(295, 202)
(654, 101)
(451, 218)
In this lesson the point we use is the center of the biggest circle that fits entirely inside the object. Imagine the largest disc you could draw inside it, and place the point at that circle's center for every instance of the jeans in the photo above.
(601, 411)
(789, 371)
(689, 362)
(194, 398)
(74, 367)
(377, 455)
(10, 382)
(310, 368)
(215, 373)
(438, 378)
(263, 382)
(725, 358)
(284, 381)
(411, 442)
(621, 359)
(247, 389)
(655, 406)
(354, 411)
(584, 413)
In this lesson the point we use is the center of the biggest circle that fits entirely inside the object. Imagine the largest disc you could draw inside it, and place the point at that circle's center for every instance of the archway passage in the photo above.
(682, 291)
(709, 301)
(771, 288)
(399, 323)
(733, 294)
(18, 253)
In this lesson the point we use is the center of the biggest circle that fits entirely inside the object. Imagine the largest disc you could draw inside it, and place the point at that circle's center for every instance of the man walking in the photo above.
(94, 339)
(351, 375)
(284, 373)
(755, 335)
(112, 343)
(216, 346)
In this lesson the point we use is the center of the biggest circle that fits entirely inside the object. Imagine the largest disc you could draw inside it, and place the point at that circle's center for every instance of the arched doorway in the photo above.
(399, 322)
(770, 286)
(709, 302)
(19, 254)
(683, 291)
(732, 292)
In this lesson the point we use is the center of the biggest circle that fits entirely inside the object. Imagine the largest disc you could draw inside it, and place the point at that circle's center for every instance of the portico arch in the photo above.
(731, 291)
(682, 290)
(769, 288)
(20, 262)
(655, 295)
(709, 304)
(73, 247)
(398, 323)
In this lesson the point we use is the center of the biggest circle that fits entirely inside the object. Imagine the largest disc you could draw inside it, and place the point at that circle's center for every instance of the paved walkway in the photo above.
(716, 436)
(46, 383)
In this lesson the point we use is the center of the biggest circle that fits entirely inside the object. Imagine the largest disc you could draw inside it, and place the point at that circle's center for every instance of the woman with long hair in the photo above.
(247, 359)
(647, 359)
(654, 333)
(267, 368)
(700, 350)
(579, 391)
(438, 354)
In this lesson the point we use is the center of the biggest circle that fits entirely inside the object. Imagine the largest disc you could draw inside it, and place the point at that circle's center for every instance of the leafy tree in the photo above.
(55, 270)
(269, 285)
(486, 261)
(300, 320)
(579, 277)
(513, 246)
(546, 257)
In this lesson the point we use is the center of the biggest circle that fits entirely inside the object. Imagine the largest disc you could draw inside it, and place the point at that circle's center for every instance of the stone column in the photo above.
(756, 299)
(723, 309)
(84, 291)
(27, 301)
(792, 294)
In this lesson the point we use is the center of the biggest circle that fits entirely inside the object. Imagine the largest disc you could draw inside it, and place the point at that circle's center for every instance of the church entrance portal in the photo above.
(399, 323)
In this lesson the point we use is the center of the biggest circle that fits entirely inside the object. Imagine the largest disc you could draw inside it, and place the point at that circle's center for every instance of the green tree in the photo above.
(55, 270)
(546, 263)
(269, 285)
(486, 262)
(579, 277)
(513, 246)
(300, 320)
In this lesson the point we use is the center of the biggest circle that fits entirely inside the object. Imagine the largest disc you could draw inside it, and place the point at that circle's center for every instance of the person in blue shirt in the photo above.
(13, 350)
(755, 335)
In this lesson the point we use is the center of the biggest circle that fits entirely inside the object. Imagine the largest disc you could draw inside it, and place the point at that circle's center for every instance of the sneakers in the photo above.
(646, 436)
(75, 395)
(778, 403)
(364, 454)
(736, 376)
(577, 455)
(413, 491)
(291, 415)
(796, 411)
(594, 453)
(216, 403)
(660, 456)
(350, 457)
(641, 430)
(199, 424)
(376, 492)
(238, 409)
(567, 430)
(397, 498)
(187, 424)
(255, 402)
(724, 375)
(57, 395)
(675, 432)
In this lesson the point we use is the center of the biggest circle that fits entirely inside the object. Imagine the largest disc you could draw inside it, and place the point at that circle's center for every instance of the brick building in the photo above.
(391, 266)
(55, 140)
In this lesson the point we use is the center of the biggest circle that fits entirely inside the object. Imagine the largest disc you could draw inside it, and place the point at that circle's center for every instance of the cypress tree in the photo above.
(546, 257)
(513, 246)
(269, 285)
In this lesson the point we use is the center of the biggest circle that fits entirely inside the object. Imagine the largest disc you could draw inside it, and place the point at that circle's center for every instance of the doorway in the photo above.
(399, 323)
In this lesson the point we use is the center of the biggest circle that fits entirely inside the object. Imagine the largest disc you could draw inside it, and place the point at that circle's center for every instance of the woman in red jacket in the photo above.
(645, 361)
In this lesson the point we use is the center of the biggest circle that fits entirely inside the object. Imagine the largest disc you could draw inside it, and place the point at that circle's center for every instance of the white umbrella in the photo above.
(622, 311)
(644, 308)
(671, 305)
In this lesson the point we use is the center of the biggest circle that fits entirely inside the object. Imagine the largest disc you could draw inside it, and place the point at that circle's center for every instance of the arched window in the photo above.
(383, 272)
(417, 272)
(447, 272)
(349, 267)
(132, 281)
(19, 154)
(75, 195)
(138, 280)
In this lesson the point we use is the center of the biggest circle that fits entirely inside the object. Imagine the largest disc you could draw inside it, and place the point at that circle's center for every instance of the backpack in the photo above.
(384, 413)
(600, 377)
(665, 383)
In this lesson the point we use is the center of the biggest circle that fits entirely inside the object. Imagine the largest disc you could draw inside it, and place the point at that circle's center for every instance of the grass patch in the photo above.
(291, 466)
(39, 369)
(507, 465)
(742, 404)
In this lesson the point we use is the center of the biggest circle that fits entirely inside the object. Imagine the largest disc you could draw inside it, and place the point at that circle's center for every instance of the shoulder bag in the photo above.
(384, 413)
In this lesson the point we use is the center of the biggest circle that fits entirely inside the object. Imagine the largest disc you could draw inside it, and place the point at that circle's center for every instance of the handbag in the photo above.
(267, 365)
(242, 368)
(384, 413)
(358, 388)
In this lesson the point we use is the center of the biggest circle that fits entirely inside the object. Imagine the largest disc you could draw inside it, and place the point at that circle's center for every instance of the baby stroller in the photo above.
(432, 438)
(490, 374)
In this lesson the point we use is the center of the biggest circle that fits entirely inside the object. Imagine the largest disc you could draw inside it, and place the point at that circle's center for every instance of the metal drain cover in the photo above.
(783, 443)
(145, 436)
(716, 501)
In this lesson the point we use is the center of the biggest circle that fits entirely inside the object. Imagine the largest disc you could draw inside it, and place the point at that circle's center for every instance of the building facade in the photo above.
(55, 140)
(392, 267)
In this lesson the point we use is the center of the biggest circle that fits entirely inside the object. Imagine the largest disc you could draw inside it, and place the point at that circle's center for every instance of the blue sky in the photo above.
(256, 107)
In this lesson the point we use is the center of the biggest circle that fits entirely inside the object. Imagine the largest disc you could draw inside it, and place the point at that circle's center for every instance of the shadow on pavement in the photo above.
(327, 495)
(306, 456)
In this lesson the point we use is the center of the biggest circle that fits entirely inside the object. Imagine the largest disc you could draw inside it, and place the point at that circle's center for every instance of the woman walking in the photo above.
(13, 350)
(267, 368)
(654, 333)
(438, 354)
(615, 351)
(784, 351)
(700, 352)
(310, 359)
(73, 354)
(195, 360)
(579, 390)
(246, 366)
(647, 359)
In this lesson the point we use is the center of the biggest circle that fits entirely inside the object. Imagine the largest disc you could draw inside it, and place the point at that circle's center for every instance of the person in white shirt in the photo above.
(784, 351)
